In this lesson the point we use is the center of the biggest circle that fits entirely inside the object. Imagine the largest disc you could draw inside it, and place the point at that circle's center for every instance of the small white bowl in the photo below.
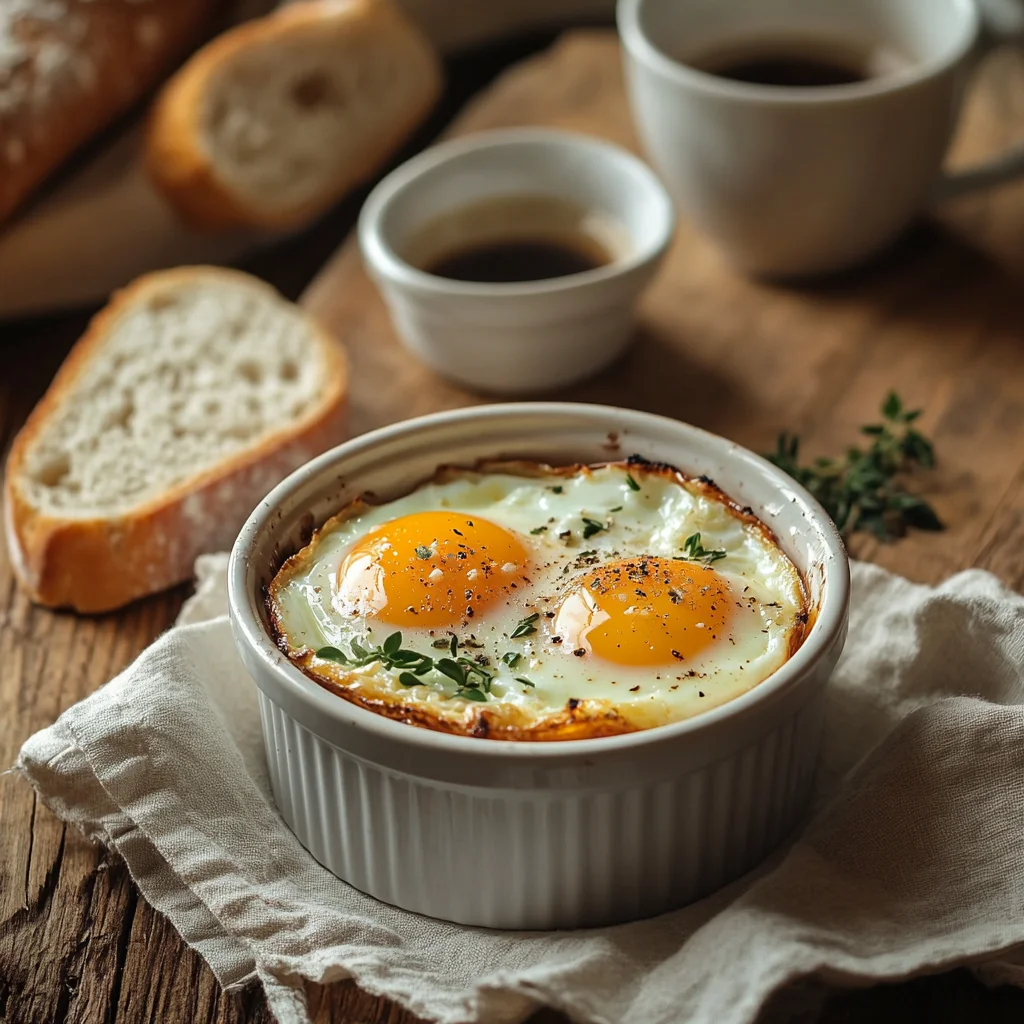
(538, 835)
(530, 335)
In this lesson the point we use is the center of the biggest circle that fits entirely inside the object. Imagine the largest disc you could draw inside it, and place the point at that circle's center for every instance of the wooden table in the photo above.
(941, 319)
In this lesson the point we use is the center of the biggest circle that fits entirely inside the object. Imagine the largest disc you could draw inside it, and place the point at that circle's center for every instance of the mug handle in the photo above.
(1002, 24)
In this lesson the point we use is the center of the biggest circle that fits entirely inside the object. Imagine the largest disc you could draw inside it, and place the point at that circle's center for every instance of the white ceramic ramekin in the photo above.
(538, 835)
(508, 338)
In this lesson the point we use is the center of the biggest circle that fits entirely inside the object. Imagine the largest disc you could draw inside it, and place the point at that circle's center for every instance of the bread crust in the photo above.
(101, 563)
(177, 159)
(72, 75)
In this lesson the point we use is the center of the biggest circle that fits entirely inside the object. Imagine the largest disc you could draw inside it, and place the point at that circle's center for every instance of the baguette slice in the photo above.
(272, 122)
(188, 398)
(69, 67)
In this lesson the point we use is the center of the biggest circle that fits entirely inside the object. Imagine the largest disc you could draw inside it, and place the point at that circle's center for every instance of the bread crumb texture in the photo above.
(186, 377)
(283, 118)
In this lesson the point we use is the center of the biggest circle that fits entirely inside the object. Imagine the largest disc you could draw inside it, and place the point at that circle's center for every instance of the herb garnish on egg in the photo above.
(390, 655)
(472, 680)
(525, 626)
(696, 552)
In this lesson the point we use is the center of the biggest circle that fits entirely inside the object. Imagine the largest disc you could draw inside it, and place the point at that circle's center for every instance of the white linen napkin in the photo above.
(911, 863)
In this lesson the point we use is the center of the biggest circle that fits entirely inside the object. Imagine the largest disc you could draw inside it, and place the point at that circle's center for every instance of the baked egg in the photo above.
(517, 600)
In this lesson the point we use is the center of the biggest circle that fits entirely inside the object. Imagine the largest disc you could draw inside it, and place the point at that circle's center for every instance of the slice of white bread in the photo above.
(274, 121)
(189, 397)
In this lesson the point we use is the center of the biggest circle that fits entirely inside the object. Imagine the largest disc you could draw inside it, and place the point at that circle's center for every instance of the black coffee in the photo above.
(518, 260)
(514, 238)
(797, 63)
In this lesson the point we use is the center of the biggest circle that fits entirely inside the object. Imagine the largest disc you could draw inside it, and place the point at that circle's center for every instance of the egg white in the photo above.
(547, 512)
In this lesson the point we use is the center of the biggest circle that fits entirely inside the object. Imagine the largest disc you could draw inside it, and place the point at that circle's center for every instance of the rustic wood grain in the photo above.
(941, 318)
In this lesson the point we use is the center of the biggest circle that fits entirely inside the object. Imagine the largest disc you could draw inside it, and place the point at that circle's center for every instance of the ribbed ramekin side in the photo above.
(541, 858)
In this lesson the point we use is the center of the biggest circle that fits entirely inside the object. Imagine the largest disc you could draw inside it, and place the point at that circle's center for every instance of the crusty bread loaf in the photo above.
(272, 122)
(68, 67)
(191, 395)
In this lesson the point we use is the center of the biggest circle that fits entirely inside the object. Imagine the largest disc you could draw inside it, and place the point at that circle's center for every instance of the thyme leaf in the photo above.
(525, 627)
(862, 490)
(696, 552)
(470, 677)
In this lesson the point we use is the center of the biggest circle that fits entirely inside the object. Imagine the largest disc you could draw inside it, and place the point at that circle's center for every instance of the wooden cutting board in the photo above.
(940, 318)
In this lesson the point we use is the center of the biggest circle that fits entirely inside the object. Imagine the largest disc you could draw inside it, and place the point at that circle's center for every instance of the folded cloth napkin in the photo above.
(911, 861)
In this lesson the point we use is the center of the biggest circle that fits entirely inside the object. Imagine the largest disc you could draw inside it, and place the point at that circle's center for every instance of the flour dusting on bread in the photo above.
(68, 67)
(41, 40)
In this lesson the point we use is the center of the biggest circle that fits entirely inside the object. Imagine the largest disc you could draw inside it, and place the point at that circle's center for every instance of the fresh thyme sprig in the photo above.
(390, 654)
(860, 491)
(472, 680)
(696, 552)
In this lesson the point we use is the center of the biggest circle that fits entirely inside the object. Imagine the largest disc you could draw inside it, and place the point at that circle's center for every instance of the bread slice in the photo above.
(189, 397)
(274, 121)
(69, 67)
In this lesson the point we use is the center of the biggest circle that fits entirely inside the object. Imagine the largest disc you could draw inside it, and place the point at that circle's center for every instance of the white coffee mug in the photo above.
(794, 181)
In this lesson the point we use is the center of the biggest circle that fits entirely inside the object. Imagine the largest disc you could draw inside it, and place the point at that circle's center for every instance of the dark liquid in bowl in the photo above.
(792, 71)
(505, 239)
(518, 260)
(795, 63)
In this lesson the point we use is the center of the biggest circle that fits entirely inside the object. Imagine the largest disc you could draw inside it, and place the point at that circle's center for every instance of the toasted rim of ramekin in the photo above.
(407, 747)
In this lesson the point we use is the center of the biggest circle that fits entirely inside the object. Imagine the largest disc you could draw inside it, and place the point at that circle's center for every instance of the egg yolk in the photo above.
(430, 569)
(645, 611)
